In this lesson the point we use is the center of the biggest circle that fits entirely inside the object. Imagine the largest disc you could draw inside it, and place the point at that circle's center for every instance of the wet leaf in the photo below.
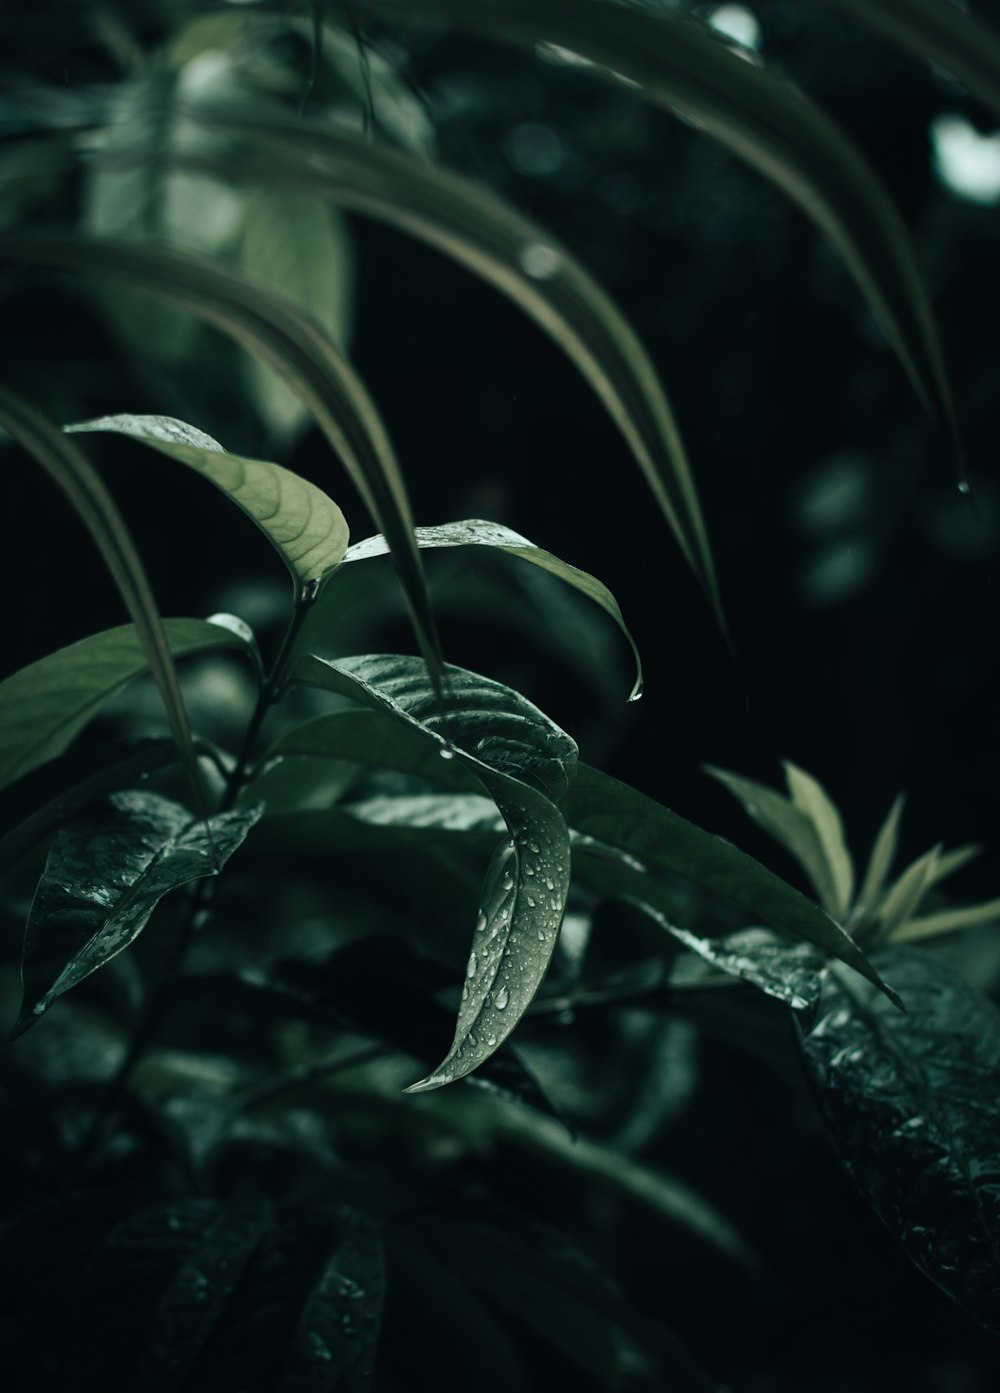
(97, 510)
(813, 801)
(475, 532)
(45, 705)
(305, 527)
(625, 818)
(910, 1100)
(104, 877)
(782, 967)
(762, 119)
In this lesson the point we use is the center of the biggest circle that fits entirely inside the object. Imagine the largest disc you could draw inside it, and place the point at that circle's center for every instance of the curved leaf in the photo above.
(476, 532)
(625, 818)
(302, 523)
(68, 468)
(104, 877)
(765, 121)
(288, 341)
(47, 703)
(813, 801)
(513, 750)
(911, 1103)
(942, 33)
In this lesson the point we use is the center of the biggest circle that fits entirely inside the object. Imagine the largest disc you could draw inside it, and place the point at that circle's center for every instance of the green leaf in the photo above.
(903, 898)
(882, 857)
(104, 877)
(305, 527)
(944, 34)
(46, 704)
(482, 233)
(948, 862)
(762, 119)
(625, 818)
(513, 750)
(911, 1103)
(947, 921)
(68, 468)
(812, 799)
(788, 824)
(294, 346)
(476, 532)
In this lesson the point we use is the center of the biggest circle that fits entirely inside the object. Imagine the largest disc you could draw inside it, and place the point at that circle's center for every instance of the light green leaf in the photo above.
(97, 510)
(45, 705)
(762, 119)
(514, 751)
(789, 825)
(294, 346)
(903, 898)
(104, 877)
(947, 921)
(949, 862)
(812, 799)
(476, 532)
(625, 818)
(305, 526)
(944, 34)
(882, 857)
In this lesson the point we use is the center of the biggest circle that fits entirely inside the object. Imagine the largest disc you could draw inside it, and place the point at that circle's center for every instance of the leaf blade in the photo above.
(812, 799)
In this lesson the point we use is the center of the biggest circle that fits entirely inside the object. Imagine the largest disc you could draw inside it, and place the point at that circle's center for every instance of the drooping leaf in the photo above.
(813, 801)
(910, 1100)
(47, 703)
(104, 877)
(789, 825)
(305, 526)
(95, 507)
(289, 342)
(623, 817)
(482, 233)
(882, 857)
(513, 750)
(762, 119)
(476, 532)
(944, 34)
(947, 921)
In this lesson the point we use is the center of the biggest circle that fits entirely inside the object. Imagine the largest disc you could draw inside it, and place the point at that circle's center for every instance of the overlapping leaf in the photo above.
(104, 877)
(911, 1103)
(304, 525)
(764, 120)
(44, 705)
(514, 751)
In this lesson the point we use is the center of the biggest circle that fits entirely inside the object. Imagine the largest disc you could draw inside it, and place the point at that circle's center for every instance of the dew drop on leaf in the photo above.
(501, 999)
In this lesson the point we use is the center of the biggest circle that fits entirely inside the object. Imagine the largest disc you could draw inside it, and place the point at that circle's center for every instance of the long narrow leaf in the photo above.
(765, 121)
(812, 799)
(289, 342)
(68, 468)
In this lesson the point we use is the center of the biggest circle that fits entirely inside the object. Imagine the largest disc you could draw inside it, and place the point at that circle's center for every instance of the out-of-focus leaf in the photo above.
(882, 857)
(910, 1099)
(476, 532)
(305, 526)
(812, 799)
(763, 120)
(948, 862)
(623, 817)
(512, 749)
(289, 342)
(44, 705)
(903, 898)
(944, 34)
(97, 510)
(947, 921)
(103, 879)
(789, 825)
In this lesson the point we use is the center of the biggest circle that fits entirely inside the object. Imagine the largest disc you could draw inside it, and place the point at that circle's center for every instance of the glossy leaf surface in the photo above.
(104, 877)
(46, 704)
(910, 1101)
(305, 526)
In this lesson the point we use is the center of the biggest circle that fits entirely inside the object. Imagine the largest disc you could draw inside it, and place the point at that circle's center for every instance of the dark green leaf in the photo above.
(623, 817)
(782, 967)
(68, 468)
(286, 340)
(46, 704)
(911, 1103)
(103, 879)
(765, 121)
(303, 524)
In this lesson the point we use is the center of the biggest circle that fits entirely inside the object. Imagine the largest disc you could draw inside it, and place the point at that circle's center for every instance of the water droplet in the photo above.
(539, 261)
(533, 846)
(501, 999)
(491, 1042)
(470, 967)
(481, 921)
(549, 883)
(508, 881)
(531, 901)
(318, 1348)
(964, 486)
(637, 694)
(529, 870)
(446, 752)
